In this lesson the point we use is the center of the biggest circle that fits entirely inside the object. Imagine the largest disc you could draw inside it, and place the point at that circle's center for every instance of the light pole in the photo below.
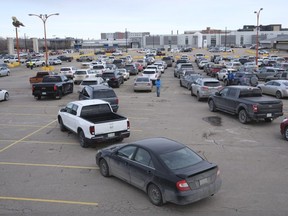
(44, 17)
(126, 37)
(17, 24)
(257, 34)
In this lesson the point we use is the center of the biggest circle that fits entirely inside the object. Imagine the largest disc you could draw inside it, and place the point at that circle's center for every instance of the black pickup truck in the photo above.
(247, 102)
(52, 86)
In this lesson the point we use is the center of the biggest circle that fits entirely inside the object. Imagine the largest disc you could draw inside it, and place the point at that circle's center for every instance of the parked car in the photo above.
(264, 72)
(113, 77)
(65, 58)
(278, 76)
(166, 170)
(84, 59)
(168, 60)
(247, 102)
(178, 71)
(204, 87)
(284, 128)
(143, 62)
(277, 88)
(81, 74)
(186, 81)
(223, 73)
(152, 74)
(100, 92)
(132, 69)
(68, 71)
(4, 95)
(124, 73)
(142, 83)
(4, 71)
(54, 61)
(92, 81)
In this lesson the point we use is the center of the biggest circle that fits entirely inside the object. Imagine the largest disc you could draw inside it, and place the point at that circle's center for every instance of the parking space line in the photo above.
(14, 125)
(49, 165)
(48, 201)
(14, 143)
(26, 114)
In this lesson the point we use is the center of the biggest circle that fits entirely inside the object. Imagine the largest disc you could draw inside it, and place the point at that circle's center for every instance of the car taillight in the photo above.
(204, 88)
(92, 130)
(255, 108)
(55, 88)
(117, 101)
(128, 124)
(182, 185)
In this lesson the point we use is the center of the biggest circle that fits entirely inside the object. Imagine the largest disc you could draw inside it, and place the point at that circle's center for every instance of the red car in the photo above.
(139, 66)
(284, 128)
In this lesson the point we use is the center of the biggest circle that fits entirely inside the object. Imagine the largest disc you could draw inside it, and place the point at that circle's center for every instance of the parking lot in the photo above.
(44, 171)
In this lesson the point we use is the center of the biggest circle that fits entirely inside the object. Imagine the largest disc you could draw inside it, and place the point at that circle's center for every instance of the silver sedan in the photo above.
(142, 83)
(4, 71)
(277, 88)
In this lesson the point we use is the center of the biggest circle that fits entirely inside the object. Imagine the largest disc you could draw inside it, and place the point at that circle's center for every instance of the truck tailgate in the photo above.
(111, 127)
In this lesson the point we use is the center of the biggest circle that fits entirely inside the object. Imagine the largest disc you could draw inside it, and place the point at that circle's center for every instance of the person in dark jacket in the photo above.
(230, 78)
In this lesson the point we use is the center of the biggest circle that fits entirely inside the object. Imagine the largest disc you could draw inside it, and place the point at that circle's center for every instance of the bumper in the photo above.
(255, 116)
(45, 94)
(110, 136)
(187, 197)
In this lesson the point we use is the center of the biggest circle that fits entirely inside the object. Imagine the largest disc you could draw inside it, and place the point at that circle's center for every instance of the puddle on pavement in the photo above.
(213, 120)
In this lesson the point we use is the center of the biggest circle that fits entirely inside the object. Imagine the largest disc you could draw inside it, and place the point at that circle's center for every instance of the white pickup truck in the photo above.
(93, 121)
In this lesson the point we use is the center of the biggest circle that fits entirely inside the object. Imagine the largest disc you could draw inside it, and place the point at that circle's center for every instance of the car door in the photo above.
(142, 169)
(120, 162)
(68, 116)
(220, 99)
(268, 88)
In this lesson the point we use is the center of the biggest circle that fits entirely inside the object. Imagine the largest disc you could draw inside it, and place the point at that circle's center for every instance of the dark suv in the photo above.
(132, 69)
(100, 92)
(113, 77)
(243, 78)
(168, 60)
(119, 63)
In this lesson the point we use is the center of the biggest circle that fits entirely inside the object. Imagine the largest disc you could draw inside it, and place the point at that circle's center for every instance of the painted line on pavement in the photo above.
(14, 143)
(49, 165)
(26, 114)
(48, 201)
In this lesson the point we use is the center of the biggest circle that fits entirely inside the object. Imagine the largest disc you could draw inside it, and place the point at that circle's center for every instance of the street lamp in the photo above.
(17, 24)
(257, 34)
(44, 17)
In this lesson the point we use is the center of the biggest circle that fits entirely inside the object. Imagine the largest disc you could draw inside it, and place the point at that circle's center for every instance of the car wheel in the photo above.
(181, 84)
(6, 96)
(212, 106)
(192, 94)
(155, 195)
(268, 119)
(59, 95)
(198, 96)
(82, 139)
(8, 73)
(39, 97)
(286, 133)
(278, 95)
(243, 118)
(104, 168)
(253, 81)
(62, 126)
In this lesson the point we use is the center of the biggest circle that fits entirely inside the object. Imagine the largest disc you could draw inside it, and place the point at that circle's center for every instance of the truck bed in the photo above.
(97, 119)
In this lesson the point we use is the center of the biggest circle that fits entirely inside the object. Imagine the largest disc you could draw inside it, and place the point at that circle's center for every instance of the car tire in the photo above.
(198, 97)
(253, 81)
(155, 195)
(192, 94)
(104, 168)
(268, 119)
(278, 95)
(181, 83)
(6, 96)
(242, 116)
(39, 97)
(8, 73)
(212, 106)
(286, 133)
(62, 126)
(59, 95)
(82, 139)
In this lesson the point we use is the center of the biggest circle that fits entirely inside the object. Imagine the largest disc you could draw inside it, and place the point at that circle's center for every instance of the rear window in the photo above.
(90, 82)
(212, 84)
(99, 94)
(142, 79)
(52, 79)
(108, 75)
(149, 72)
(180, 158)
(80, 72)
(166, 58)
(98, 67)
(95, 110)
(65, 69)
(251, 93)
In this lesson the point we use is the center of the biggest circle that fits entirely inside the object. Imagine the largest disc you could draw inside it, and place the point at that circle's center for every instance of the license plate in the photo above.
(203, 181)
(43, 93)
(269, 114)
(111, 134)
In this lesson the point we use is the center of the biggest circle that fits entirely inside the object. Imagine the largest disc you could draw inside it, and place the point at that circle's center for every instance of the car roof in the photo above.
(159, 145)
(89, 102)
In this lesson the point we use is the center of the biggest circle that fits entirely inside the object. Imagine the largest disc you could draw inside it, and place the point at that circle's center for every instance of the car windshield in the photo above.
(89, 82)
(142, 79)
(65, 69)
(80, 72)
(108, 75)
(180, 158)
(149, 72)
(98, 67)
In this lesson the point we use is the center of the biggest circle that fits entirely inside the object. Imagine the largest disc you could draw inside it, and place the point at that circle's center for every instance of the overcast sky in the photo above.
(86, 19)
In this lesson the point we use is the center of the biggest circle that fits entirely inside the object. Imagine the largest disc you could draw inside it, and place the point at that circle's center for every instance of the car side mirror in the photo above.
(63, 110)
(217, 93)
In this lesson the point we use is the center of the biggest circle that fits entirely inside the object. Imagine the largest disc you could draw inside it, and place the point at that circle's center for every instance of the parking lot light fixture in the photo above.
(257, 34)
(44, 18)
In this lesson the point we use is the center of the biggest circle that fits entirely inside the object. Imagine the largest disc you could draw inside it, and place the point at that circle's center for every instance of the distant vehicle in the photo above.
(81, 74)
(277, 88)
(159, 165)
(4, 71)
(39, 77)
(4, 95)
(68, 71)
(65, 58)
(92, 81)
(247, 102)
(152, 74)
(54, 61)
(186, 81)
(84, 59)
(142, 83)
(124, 73)
(204, 87)
(113, 77)
(168, 60)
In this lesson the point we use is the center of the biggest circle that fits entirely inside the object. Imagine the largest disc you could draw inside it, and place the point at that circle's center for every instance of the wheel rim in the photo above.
(211, 105)
(278, 95)
(242, 116)
(6, 96)
(81, 138)
(155, 194)
(103, 168)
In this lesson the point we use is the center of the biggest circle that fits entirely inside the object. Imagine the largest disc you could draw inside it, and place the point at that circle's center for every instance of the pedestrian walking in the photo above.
(31, 65)
(158, 85)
